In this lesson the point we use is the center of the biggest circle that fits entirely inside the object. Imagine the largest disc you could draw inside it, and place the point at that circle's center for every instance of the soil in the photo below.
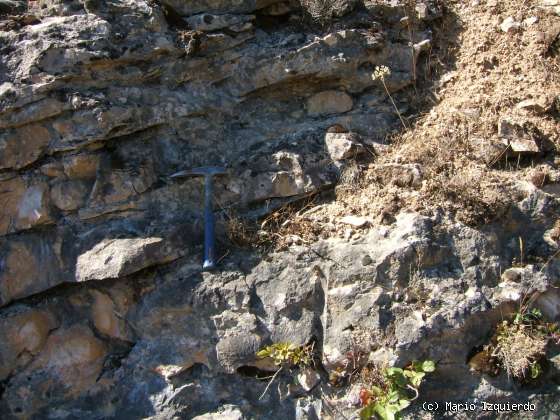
(474, 75)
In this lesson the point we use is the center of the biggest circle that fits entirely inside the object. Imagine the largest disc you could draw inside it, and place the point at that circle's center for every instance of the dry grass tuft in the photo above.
(283, 227)
(240, 232)
(322, 11)
(519, 349)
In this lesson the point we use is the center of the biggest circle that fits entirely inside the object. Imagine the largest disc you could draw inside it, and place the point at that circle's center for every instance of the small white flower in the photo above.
(380, 72)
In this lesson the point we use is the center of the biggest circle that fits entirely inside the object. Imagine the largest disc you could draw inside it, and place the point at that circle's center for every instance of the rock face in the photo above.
(104, 309)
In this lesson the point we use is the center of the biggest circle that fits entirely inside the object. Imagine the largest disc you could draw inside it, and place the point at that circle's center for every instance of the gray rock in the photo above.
(343, 146)
(207, 22)
(517, 137)
(114, 258)
(228, 412)
(509, 25)
(329, 102)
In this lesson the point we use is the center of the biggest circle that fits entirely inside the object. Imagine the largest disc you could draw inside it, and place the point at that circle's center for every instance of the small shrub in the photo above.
(392, 390)
(286, 356)
(521, 344)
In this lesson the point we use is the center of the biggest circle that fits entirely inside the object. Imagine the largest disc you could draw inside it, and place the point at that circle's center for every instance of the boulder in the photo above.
(114, 258)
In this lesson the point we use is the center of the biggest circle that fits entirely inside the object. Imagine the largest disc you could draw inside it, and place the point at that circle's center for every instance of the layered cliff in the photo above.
(104, 309)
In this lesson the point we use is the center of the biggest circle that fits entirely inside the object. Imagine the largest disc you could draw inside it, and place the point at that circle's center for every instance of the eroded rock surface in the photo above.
(105, 312)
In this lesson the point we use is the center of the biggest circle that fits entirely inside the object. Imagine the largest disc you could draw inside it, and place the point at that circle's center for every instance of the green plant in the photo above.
(286, 356)
(393, 391)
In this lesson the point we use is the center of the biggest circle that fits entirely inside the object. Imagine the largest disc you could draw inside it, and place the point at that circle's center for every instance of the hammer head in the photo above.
(203, 170)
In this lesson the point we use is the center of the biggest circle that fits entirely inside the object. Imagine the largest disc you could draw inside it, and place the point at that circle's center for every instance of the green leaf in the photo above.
(264, 353)
(376, 390)
(367, 412)
(392, 371)
(396, 376)
(382, 412)
(393, 396)
(391, 411)
(535, 370)
(416, 365)
(402, 404)
(416, 380)
(428, 366)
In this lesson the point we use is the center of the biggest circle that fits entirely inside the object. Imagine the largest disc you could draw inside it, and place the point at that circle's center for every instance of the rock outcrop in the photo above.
(104, 310)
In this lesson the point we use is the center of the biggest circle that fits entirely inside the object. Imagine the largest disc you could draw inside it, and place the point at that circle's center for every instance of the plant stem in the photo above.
(270, 383)
(393, 102)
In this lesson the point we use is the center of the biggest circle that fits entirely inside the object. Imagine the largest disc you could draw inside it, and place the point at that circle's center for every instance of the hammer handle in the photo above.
(209, 237)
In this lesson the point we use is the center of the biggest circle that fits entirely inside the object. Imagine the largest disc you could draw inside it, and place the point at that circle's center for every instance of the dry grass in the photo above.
(519, 348)
(286, 226)
(322, 11)
(475, 75)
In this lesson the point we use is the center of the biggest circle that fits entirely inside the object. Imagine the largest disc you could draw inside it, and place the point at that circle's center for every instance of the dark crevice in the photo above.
(173, 18)
(113, 361)
(254, 372)
(271, 23)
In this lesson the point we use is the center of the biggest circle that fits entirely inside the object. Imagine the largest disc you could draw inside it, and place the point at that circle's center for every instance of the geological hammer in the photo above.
(209, 237)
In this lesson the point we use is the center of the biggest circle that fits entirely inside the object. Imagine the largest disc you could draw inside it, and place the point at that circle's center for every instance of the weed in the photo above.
(349, 368)
(391, 390)
(379, 74)
(286, 356)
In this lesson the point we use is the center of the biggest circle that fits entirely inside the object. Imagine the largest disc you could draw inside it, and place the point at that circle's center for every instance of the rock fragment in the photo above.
(401, 175)
(114, 258)
(22, 146)
(24, 206)
(517, 137)
(343, 146)
(355, 221)
(509, 25)
(69, 195)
